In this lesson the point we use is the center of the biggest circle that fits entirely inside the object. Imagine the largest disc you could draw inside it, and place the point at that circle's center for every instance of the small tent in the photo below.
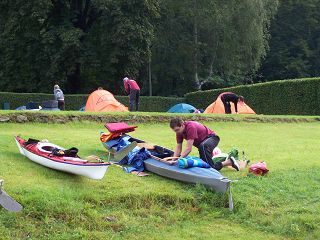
(103, 101)
(218, 107)
(182, 108)
(83, 108)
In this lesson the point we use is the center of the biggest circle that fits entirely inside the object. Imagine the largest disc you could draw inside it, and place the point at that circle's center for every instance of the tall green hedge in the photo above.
(75, 102)
(152, 104)
(285, 97)
(289, 97)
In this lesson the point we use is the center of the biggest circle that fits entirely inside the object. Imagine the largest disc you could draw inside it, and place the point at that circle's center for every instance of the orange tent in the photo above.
(103, 101)
(218, 107)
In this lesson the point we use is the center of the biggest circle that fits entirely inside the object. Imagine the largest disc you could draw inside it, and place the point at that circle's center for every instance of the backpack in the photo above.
(259, 168)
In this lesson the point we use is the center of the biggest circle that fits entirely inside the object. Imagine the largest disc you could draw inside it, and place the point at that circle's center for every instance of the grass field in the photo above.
(282, 205)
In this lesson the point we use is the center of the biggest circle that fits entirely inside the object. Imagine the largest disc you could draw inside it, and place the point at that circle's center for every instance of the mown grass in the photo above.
(226, 116)
(282, 205)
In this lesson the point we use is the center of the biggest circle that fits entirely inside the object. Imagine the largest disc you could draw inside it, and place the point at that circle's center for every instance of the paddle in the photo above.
(7, 202)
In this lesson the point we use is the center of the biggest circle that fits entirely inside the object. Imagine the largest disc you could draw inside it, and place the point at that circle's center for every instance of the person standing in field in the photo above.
(133, 90)
(203, 138)
(58, 95)
(229, 97)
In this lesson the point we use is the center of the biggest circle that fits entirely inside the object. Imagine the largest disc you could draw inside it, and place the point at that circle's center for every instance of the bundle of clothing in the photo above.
(135, 158)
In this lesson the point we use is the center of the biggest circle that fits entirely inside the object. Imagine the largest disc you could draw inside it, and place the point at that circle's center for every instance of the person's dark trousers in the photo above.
(137, 100)
(205, 151)
(61, 105)
(226, 104)
(134, 98)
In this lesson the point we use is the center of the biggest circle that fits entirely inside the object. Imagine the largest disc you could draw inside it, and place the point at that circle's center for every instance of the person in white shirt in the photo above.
(58, 95)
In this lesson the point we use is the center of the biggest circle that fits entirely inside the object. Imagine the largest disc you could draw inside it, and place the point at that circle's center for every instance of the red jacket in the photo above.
(130, 84)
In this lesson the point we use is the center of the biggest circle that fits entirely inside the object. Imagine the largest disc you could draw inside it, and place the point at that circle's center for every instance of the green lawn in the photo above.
(282, 205)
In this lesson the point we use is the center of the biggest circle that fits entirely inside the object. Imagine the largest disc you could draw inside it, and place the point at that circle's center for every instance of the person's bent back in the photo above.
(226, 98)
(132, 89)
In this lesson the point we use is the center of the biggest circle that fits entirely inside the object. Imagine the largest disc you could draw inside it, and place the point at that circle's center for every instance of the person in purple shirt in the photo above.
(200, 136)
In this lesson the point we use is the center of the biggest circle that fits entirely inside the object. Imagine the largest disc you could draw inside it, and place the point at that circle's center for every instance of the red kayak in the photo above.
(41, 153)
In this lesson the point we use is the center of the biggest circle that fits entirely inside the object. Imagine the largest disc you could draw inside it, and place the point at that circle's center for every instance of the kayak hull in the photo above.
(209, 177)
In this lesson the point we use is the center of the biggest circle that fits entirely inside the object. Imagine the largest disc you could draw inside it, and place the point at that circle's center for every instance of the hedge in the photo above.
(284, 97)
(75, 102)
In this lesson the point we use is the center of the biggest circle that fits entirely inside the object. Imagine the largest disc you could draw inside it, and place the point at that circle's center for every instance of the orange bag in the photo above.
(104, 137)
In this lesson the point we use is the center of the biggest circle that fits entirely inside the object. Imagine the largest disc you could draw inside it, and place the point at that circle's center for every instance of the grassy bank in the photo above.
(140, 117)
(282, 205)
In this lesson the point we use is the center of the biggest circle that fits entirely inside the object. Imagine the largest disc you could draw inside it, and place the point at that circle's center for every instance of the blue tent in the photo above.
(182, 108)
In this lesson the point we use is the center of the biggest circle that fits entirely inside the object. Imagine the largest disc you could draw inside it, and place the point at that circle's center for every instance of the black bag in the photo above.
(31, 141)
(58, 152)
(71, 152)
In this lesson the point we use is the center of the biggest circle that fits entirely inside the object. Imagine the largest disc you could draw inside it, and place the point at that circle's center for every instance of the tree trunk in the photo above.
(195, 36)
(149, 75)
(211, 69)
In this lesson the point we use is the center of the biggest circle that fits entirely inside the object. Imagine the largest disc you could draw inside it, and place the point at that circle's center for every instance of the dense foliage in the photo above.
(182, 45)
(80, 44)
(295, 43)
(83, 44)
(298, 96)
(219, 43)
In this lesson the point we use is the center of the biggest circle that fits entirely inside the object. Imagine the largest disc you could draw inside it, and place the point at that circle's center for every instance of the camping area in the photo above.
(281, 205)
(159, 119)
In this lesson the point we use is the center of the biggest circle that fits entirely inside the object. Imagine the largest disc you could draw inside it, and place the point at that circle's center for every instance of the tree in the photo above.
(80, 44)
(199, 40)
(21, 63)
(83, 44)
(295, 43)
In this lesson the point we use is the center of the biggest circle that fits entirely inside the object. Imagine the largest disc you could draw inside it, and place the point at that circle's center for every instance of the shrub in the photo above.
(75, 102)
(294, 97)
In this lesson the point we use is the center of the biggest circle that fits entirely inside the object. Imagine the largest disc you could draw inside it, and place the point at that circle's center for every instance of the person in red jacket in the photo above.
(133, 90)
